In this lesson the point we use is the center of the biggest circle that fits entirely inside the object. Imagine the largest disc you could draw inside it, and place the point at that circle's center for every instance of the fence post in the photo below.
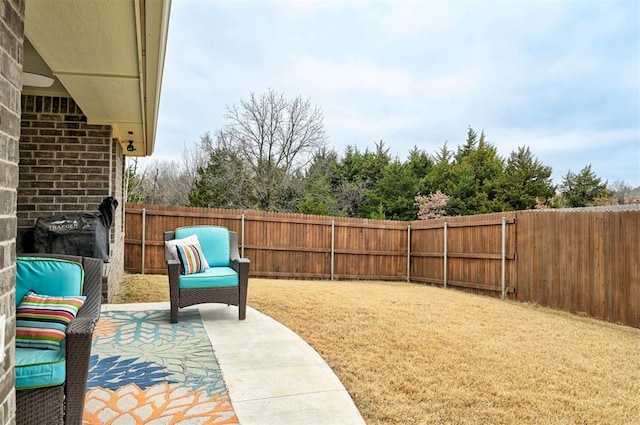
(144, 237)
(445, 254)
(242, 237)
(504, 256)
(333, 246)
(409, 253)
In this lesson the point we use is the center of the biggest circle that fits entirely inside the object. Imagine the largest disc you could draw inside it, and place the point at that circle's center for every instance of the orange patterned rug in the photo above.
(145, 370)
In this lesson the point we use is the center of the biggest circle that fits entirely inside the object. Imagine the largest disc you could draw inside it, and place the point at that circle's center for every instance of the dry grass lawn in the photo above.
(414, 354)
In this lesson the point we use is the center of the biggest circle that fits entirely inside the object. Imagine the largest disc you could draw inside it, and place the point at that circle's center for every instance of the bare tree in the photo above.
(167, 182)
(273, 130)
(621, 190)
(155, 176)
(133, 183)
(276, 138)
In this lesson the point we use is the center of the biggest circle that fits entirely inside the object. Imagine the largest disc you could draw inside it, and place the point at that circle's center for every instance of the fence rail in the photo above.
(578, 261)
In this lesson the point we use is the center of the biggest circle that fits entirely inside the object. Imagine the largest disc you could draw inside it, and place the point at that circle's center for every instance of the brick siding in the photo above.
(68, 165)
(64, 162)
(116, 262)
(11, 41)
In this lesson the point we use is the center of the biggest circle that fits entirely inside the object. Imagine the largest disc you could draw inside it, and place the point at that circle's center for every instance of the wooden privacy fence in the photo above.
(471, 252)
(582, 262)
(574, 261)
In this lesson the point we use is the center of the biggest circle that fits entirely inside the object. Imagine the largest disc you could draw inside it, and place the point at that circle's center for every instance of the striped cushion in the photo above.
(41, 320)
(170, 245)
(191, 259)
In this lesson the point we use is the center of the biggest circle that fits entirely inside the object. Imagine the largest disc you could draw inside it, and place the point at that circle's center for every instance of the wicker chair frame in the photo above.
(232, 295)
(64, 404)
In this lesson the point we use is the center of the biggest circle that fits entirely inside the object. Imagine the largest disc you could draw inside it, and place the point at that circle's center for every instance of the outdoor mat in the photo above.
(145, 370)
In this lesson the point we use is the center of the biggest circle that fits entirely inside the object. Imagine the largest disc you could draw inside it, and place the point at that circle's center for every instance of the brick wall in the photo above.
(116, 262)
(11, 39)
(65, 163)
(68, 165)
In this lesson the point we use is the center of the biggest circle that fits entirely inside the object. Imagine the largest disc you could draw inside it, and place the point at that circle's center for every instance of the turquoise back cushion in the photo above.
(48, 276)
(214, 241)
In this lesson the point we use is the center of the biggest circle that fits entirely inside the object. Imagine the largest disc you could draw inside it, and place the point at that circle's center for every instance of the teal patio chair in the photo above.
(204, 266)
(51, 382)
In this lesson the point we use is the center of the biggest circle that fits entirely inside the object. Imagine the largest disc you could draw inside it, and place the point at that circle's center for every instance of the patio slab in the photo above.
(273, 376)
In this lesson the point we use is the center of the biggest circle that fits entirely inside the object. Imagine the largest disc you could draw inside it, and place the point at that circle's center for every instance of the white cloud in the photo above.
(560, 141)
(560, 77)
(352, 75)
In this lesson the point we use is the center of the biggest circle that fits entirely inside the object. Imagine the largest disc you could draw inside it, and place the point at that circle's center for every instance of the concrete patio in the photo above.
(273, 376)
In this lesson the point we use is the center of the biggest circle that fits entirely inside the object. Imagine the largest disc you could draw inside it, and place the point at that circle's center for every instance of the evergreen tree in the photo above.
(350, 165)
(319, 194)
(473, 178)
(349, 188)
(222, 183)
(419, 163)
(526, 182)
(464, 196)
(273, 189)
(470, 177)
(373, 169)
(583, 189)
(440, 173)
(487, 168)
(374, 163)
(360, 172)
(469, 146)
(394, 193)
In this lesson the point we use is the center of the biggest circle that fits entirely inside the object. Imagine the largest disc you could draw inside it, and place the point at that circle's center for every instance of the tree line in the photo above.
(272, 155)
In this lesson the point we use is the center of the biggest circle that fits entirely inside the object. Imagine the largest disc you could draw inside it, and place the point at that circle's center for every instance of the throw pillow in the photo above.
(170, 246)
(191, 259)
(42, 320)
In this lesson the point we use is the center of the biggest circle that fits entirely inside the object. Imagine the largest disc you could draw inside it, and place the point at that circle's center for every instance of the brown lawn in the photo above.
(414, 354)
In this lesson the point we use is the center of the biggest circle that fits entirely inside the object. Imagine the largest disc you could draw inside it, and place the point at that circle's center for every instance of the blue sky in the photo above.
(562, 77)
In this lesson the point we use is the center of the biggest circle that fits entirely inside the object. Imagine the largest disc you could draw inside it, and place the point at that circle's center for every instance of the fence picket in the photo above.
(573, 260)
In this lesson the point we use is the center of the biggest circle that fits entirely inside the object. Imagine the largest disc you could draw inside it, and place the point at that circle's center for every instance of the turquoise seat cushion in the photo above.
(48, 276)
(214, 241)
(36, 368)
(213, 277)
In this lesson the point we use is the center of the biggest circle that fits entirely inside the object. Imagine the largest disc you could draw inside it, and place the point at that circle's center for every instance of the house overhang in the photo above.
(106, 55)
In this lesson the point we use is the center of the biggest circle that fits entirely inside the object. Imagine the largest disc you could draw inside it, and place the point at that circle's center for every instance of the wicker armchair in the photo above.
(182, 294)
(64, 404)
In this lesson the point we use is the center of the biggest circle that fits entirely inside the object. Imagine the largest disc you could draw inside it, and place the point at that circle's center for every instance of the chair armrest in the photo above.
(240, 264)
(173, 271)
(78, 354)
(168, 236)
(85, 321)
(80, 329)
(173, 267)
(237, 263)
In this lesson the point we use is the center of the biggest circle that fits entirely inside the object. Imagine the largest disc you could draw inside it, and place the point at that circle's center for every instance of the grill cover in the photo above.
(83, 234)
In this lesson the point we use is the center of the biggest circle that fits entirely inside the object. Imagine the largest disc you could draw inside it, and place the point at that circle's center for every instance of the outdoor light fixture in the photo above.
(30, 79)
(131, 148)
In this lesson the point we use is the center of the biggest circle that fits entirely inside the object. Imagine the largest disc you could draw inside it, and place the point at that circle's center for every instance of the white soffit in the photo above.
(109, 56)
